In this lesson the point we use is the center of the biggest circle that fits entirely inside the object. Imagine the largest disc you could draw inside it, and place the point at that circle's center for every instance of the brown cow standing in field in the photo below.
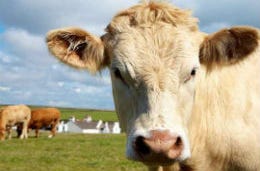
(44, 117)
(13, 115)
(182, 96)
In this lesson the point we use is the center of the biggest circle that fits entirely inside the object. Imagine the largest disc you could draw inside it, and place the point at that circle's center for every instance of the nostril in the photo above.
(140, 146)
(178, 141)
(176, 148)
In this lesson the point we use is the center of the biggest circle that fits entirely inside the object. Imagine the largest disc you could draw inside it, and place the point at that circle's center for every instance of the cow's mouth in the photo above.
(160, 162)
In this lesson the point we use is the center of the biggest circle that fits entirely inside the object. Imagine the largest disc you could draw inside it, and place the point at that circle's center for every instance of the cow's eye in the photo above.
(117, 74)
(193, 72)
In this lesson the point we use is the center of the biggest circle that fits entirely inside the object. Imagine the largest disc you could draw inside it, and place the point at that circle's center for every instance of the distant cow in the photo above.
(182, 96)
(44, 117)
(14, 115)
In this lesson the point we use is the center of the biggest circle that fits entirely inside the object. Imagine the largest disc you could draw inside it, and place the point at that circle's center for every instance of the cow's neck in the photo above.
(215, 126)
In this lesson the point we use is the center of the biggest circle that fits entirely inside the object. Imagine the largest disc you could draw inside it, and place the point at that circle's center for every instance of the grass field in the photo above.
(67, 152)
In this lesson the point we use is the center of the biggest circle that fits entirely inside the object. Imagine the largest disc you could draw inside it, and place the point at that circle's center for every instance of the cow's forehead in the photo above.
(151, 30)
(159, 42)
(147, 14)
(155, 46)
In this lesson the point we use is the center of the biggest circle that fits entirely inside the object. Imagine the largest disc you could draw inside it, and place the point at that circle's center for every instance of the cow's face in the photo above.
(153, 73)
(152, 52)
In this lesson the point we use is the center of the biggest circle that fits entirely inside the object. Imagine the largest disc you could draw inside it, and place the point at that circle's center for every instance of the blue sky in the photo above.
(1, 28)
(1, 31)
(30, 75)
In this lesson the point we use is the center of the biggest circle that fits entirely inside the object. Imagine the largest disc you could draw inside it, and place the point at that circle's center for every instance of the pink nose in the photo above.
(160, 147)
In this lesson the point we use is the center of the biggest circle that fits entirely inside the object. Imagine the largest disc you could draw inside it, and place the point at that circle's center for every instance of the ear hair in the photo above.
(228, 46)
(73, 40)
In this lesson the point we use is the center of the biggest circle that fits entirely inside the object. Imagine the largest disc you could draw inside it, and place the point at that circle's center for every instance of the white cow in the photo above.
(174, 86)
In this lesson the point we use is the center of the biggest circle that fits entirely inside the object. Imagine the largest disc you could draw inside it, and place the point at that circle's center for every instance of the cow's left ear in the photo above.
(228, 46)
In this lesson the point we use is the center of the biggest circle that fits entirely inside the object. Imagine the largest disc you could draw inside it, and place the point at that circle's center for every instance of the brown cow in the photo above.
(44, 117)
(14, 115)
(158, 59)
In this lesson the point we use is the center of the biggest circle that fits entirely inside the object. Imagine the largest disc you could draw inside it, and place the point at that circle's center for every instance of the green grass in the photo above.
(67, 152)
(104, 115)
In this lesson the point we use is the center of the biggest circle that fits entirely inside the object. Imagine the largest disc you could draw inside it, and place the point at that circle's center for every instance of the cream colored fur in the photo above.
(224, 125)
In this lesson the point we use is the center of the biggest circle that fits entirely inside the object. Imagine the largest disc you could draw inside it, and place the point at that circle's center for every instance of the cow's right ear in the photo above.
(77, 48)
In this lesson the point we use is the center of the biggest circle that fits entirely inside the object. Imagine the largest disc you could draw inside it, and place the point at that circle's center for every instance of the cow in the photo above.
(11, 116)
(187, 100)
(43, 118)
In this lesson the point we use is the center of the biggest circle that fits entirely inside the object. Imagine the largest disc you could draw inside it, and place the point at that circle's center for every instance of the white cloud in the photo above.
(23, 38)
(5, 59)
(60, 84)
(24, 44)
(106, 80)
(243, 12)
(2, 88)
(77, 90)
(88, 90)
(59, 103)
(230, 12)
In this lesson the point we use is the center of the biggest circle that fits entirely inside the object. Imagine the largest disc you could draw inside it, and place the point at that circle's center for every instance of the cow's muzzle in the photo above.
(160, 147)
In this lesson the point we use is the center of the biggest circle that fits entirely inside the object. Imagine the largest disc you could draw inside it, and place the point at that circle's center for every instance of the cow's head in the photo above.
(152, 51)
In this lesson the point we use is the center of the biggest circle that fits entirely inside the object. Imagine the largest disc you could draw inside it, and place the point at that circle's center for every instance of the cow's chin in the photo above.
(159, 161)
